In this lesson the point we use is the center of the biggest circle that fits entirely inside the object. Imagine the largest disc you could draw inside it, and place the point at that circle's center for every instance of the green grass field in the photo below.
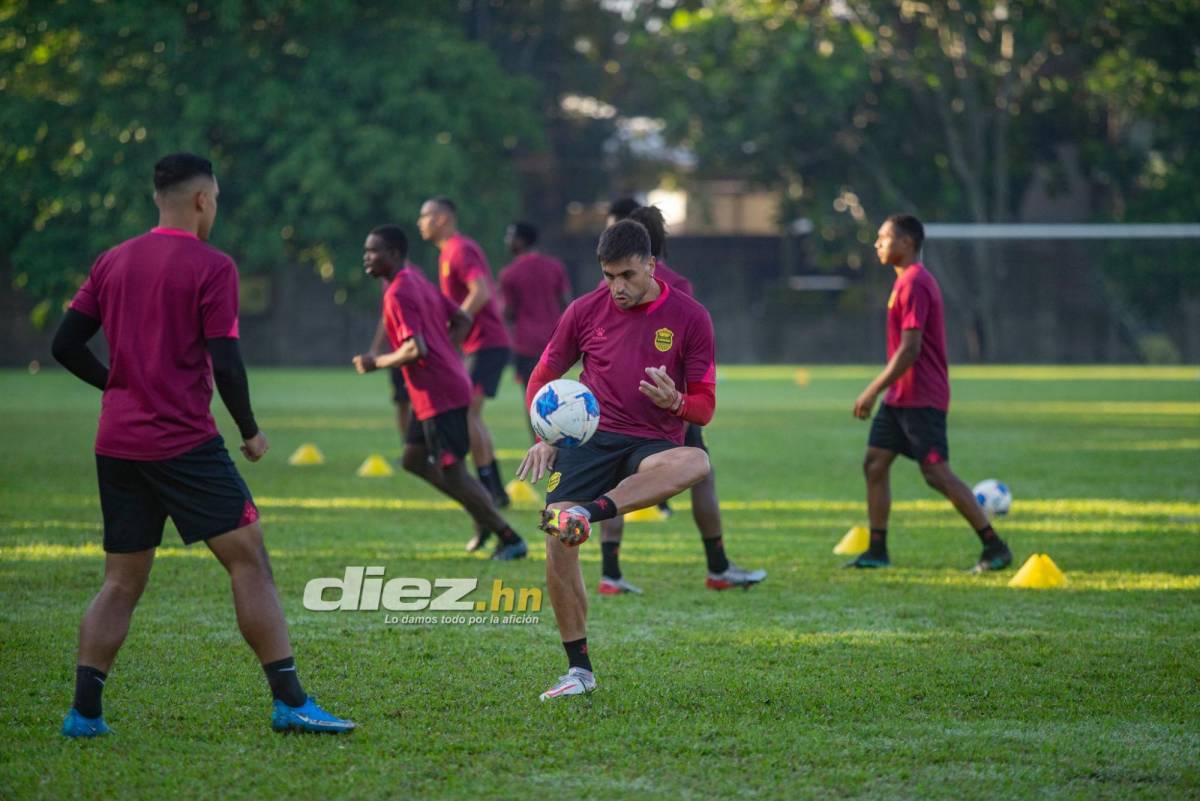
(919, 681)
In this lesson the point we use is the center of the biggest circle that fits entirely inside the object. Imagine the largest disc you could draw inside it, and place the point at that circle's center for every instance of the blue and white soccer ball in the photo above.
(994, 496)
(564, 413)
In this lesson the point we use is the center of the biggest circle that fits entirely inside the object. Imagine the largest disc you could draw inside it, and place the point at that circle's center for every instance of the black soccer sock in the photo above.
(714, 549)
(878, 541)
(489, 477)
(497, 484)
(508, 536)
(285, 684)
(89, 685)
(577, 654)
(600, 509)
(610, 562)
(988, 536)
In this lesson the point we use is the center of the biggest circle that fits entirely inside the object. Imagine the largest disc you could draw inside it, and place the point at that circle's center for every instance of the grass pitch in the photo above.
(918, 681)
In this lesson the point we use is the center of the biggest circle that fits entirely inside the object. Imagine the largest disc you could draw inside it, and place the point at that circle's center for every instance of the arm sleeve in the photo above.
(700, 370)
(699, 403)
(398, 319)
(468, 265)
(914, 307)
(86, 300)
(562, 350)
(540, 377)
(219, 303)
(70, 347)
(229, 374)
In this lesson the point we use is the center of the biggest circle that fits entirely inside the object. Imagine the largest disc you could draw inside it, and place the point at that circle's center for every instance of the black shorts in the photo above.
(201, 491)
(693, 437)
(485, 368)
(399, 386)
(523, 366)
(444, 436)
(595, 467)
(918, 433)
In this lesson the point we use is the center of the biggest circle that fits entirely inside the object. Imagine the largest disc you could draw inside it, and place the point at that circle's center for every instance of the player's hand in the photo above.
(864, 404)
(538, 461)
(255, 447)
(660, 388)
(364, 363)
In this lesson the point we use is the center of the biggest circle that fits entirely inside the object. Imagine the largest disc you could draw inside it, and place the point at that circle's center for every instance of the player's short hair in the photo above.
(622, 240)
(909, 226)
(444, 203)
(176, 168)
(394, 237)
(652, 218)
(622, 207)
(527, 232)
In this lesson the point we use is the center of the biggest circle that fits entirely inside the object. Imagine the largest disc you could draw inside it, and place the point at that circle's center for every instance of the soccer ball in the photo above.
(564, 413)
(994, 497)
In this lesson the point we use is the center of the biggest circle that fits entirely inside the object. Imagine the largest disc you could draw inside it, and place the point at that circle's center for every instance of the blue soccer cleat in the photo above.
(76, 725)
(513, 550)
(308, 717)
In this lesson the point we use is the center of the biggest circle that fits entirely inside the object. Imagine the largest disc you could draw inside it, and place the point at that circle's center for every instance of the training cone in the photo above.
(856, 541)
(306, 456)
(374, 467)
(650, 514)
(802, 377)
(520, 492)
(1038, 573)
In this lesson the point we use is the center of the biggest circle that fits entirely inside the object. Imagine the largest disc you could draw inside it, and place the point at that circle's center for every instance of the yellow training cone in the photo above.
(374, 467)
(1038, 573)
(856, 540)
(648, 515)
(520, 492)
(802, 377)
(306, 455)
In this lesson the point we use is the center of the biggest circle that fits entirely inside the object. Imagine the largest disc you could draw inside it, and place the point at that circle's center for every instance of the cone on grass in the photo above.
(375, 466)
(855, 541)
(1038, 573)
(306, 455)
(521, 492)
(650, 514)
(802, 378)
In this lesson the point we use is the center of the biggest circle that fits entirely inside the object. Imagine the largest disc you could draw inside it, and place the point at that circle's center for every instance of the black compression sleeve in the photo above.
(70, 348)
(229, 374)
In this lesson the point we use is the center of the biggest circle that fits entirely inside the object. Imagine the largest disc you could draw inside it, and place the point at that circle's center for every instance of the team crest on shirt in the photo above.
(664, 338)
(552, 484)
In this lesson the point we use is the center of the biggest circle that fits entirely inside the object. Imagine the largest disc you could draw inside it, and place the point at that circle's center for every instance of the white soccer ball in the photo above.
(565, 413)
(994, 496)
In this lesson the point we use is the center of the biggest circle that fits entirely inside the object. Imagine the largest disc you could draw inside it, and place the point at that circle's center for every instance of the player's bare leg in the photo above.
(255, 599)
(403, 417)
(106, 621)
(568, 598)
(996, 555)
(877, 467)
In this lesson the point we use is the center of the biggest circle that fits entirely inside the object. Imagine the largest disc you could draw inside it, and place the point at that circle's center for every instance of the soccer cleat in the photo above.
(612, 586)
(76, 725)
(734, 576)
(308, 717)
(478, 541)
(571, 528)
(994, 557)
(577, 682)
(508, 551)
(866, 559)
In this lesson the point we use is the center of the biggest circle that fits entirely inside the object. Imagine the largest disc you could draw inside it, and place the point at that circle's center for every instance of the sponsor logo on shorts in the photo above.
(664, 338)
(552, 484)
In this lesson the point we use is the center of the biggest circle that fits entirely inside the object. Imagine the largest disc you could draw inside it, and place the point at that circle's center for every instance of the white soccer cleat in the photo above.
(577, 682)
(734, 576)
(612, 586)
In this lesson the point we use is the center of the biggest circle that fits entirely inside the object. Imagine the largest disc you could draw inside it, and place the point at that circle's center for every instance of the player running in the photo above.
(466, 279)
(420, 324)
(912, 418)
(168, 304)
(706, 510)
(400, 399)
(535, 290)
(649, 356)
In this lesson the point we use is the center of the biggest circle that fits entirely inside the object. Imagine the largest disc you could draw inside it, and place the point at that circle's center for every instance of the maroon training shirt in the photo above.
(437, 382)
(916, 303)
(618, 345)
(159, 296)
(533, 287)
(461, 262)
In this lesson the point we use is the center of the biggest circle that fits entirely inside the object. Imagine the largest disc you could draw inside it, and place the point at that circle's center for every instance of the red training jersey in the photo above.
(461, 262)
(437, 382)
(533, 287)
(159, 297)
(916, 303)
(617, 346)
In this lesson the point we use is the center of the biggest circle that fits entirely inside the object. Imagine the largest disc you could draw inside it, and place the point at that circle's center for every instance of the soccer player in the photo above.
(400, 396)
(535, 290)
(421, 324)
(168, 304)
(706, 510)
(466, 279)
(912, 419)
(649, 357)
